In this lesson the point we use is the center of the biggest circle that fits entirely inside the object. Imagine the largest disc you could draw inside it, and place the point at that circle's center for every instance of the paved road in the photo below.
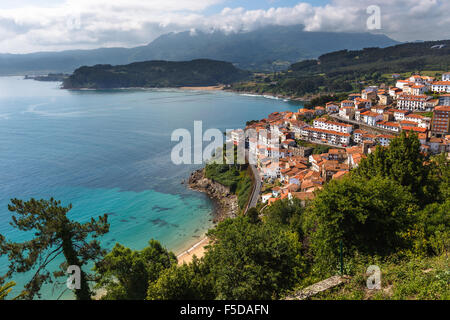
(257, 187)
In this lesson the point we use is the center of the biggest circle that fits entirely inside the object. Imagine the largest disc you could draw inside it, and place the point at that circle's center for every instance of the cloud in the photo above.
(95, 23)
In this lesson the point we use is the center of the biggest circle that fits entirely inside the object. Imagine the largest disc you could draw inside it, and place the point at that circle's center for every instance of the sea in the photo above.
(109, 151)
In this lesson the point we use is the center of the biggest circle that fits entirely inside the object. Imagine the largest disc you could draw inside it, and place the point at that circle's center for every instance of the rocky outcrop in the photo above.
(226, 204)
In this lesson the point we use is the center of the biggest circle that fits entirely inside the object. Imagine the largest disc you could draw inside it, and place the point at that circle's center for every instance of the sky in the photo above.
(55, 25)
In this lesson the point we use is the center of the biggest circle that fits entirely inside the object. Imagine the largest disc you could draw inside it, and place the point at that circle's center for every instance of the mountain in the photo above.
(156, 74)
(266, 49)
(262, 49)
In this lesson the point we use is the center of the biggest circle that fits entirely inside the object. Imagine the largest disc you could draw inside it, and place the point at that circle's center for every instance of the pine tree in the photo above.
(53, 235)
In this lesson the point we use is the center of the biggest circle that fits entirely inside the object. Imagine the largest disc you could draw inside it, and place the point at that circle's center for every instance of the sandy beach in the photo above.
(208, 88)
(197, 249)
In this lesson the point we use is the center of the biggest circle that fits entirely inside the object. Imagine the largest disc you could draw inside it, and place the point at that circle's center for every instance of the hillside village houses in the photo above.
(294, 171)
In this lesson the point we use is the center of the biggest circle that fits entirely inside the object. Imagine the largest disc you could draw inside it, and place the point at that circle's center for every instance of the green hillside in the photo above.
(156, 74)
(346, 71)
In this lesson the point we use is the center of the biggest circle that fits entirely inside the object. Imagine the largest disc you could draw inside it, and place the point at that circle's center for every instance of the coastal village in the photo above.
(284, 146)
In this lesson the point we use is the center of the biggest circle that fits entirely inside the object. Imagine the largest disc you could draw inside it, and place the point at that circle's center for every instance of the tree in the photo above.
(368, 216)
(54, 235)
(125, 274)
(186, 282)
(431, 234)
(403, 162)
(252, 261)
(6, 289)
(253, 215)
(285, 212)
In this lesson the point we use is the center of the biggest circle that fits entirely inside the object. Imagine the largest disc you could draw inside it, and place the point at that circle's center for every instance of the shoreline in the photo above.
(224, 206)
(198, 250)
(196, 88)
(268, 95)
(204, 88)
(305, 98)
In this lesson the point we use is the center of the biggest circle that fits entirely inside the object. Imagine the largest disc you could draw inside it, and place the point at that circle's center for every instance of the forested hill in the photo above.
(347, 71)
(156, 74)
(399, 58)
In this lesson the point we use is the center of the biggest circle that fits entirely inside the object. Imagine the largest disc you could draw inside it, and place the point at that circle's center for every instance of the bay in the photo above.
(109, 152)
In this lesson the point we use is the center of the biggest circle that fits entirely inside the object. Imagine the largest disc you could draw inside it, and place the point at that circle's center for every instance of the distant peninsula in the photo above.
(156, 74)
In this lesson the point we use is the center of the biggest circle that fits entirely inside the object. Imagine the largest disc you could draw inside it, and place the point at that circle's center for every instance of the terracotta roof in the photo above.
(442, 108)
(303, 195)
(339, 174)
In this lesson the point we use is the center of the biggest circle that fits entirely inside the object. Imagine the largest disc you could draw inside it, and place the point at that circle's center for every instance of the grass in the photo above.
(413, 279)
(236, 177)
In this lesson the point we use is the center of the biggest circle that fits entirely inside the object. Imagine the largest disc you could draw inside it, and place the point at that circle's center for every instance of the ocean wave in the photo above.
(261, 96)
(33, 109)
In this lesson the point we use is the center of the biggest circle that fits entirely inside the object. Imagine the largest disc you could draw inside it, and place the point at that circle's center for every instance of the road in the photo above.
(257, 188)
(254, 197)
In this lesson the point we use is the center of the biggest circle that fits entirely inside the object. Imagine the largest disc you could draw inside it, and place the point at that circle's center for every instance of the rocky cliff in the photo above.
(226, 204)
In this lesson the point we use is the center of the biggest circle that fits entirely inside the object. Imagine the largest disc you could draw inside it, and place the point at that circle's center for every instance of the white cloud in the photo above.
(95, 23)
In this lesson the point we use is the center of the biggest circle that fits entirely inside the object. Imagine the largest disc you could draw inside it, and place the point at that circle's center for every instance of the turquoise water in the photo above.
(109, 152)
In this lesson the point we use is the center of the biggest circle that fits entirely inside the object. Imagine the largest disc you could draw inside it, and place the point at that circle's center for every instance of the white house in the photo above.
(413, 103)
(418, 89)
(322, 123)
(347, 103)
(331, 107)
(371, 118)
(347, 112)
(441, 86)
(400, 115)
(266, 197)
(384, 139)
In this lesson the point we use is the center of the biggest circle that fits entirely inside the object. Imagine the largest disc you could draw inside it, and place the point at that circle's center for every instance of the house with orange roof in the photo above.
(371, 118)
(325, 124)
(415, 129)
(388, 125)
(327, 136)
(340, 174)
(441, 121)
(406, 123)
(400, 114)
(347, 112)
(331, 107)
(365, 103)
(266, 197)
(401, 83)
(354, 159)
(384, 139)
(304, 197)
(319, 110)
(337, 154)
(347, 103)
(441, 86)
(418, 89)
(414, 103)
(353, 96)
(358, 134)
(394, 92)
(308, 186)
